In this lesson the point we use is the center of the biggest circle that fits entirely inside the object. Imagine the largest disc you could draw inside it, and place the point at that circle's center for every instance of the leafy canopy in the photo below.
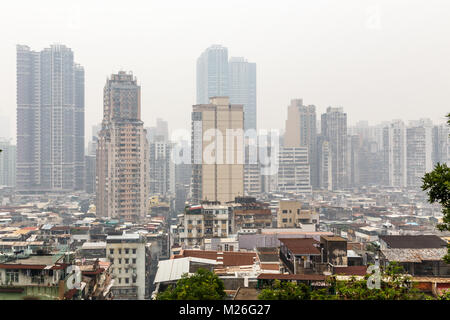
(203, 285)
(437, 185)
(394, 285)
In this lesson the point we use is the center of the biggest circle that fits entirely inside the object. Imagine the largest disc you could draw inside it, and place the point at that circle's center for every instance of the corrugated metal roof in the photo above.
(173, 269)
(414, 255)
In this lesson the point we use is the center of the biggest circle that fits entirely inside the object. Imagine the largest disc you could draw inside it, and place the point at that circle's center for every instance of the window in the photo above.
(127, 251)
(127, 280)
(120, 251)
(120, 280)
(134, 280)
(120, 261)
(111, 251)
(134, 260)
(127, 261)
(12, 275)
(134, 251)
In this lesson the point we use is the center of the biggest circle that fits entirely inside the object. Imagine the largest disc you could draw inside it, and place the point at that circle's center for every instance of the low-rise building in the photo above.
(130, 258)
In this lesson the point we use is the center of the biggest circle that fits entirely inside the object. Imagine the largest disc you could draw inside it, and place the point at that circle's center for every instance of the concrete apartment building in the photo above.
(50, 120)
(293, 214)
(130, 258)
(395, 156)
(242, 88)
(212, 74)
(7, 163)
(200, 222)
(217, 159)
(162, 169)
(293, 170)
(334, 130)
(248, 213)
(418, 152)
(301, 132)
(441, 144)
(123, 152)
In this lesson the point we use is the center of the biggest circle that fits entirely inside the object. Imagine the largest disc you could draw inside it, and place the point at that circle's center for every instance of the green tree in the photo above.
(203, 285)
(437, 185)
(286, 291)
(394, 285)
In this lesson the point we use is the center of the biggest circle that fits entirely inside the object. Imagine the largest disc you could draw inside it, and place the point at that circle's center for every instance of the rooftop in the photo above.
(414, 255)
(414, 241)
(299, 246)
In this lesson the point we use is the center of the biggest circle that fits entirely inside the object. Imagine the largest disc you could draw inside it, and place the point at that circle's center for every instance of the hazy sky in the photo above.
(379, 60)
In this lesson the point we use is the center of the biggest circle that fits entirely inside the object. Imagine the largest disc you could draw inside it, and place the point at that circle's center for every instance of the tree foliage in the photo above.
(394, 285)
(203, 285)
(286, 291)
(437, 185)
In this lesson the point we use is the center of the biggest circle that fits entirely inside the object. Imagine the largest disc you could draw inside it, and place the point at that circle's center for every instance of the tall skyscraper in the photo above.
(123, 152)
(7, 163)
(235, 78)
(217, 159)
(419, 148)
(212, 74)
(301, 131)
(441, 144)
(394, 146)
(242, 88)
(160, 132)
(293, 170)
(162, 168)
(334, 130)
(50, 120)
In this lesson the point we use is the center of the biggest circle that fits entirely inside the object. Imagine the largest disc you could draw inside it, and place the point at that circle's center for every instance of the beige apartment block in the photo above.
(294, 214)
(217, 151)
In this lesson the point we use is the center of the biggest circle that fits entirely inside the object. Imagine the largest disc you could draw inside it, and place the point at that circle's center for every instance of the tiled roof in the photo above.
(301, 245)
(270, 276)
(414, 255)
(229, 258)
(351, 270)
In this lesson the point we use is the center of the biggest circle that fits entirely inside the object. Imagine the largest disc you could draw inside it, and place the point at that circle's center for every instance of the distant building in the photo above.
(123, 152)
(242, 88)
(334, 130)
(90, 175)
(212, 74)
(162, 168)
(293, 170)
(7, 164)
(50, 120)
(301, 132)
(395, 156)
(418, 153)
(441, 144)
(294, 214)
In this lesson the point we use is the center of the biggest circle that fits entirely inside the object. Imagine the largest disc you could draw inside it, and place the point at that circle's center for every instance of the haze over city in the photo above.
(379, 60)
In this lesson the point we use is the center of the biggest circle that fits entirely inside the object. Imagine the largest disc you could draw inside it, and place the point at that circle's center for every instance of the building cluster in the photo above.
(52, 250)
(122, 220)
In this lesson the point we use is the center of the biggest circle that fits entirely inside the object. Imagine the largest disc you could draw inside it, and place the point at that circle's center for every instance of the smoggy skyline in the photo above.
(376, 59)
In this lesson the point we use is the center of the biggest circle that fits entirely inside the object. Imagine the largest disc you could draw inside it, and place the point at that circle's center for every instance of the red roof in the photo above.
(271, 276)
(301, 246)
(351, 270)
(229, 258)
